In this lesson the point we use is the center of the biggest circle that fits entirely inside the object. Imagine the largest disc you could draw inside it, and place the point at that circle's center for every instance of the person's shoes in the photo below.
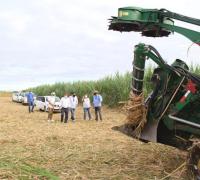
(73, 121)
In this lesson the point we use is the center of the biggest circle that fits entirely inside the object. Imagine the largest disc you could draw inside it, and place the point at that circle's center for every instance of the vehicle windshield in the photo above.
(57, 99)
(22, 94)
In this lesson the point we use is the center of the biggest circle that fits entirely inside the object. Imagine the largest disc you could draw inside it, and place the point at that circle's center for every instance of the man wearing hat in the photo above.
(97, 100)
(51, 101)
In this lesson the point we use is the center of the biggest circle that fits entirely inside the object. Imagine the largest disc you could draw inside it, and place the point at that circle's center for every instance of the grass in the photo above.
(22, 170)
(5, 94)
(31, 148)
(114, 88)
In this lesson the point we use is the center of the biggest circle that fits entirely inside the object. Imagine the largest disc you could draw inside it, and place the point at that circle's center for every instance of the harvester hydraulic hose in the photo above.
(140, 54)
(195, 78)
(157, 53)
(172, 98)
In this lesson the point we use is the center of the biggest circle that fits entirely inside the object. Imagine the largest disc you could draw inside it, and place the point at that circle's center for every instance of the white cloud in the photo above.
(58, 40)
(15, 22)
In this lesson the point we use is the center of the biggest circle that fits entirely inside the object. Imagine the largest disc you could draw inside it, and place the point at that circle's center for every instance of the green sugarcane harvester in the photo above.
(172, 110)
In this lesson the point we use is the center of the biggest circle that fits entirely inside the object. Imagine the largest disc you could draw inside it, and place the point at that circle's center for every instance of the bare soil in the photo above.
(32, 148)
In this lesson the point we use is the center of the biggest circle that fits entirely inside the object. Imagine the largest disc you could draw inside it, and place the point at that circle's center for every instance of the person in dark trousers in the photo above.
(86, 107)
(30, 99)
(97, 103)
(73, 102)
(64, 108)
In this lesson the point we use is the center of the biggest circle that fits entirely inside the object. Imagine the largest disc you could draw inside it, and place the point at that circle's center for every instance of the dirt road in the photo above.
(32, 148)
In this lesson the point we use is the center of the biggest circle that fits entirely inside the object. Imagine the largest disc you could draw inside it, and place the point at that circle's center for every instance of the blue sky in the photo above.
(47, 41)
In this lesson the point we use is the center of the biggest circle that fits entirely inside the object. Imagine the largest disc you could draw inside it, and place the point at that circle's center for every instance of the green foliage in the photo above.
(114, 88)
(27, 170)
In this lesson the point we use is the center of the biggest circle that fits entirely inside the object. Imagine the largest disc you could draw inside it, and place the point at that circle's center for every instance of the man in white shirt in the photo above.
(64, 108)
(51, 101)
(86, 107)
(73, 102)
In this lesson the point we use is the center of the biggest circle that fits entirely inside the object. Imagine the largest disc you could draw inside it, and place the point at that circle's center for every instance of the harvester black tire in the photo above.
(194, 161)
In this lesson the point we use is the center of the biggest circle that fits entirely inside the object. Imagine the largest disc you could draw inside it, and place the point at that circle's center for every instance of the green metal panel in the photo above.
(180, 63)
(194, 36)
(153, 23)
(138, 14)
(169, 123)
(129, 15)
(186, 128)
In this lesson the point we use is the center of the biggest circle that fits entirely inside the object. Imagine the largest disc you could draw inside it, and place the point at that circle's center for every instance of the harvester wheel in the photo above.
(194, 161)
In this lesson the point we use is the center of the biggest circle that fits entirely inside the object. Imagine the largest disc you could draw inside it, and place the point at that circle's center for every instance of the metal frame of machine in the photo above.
(173, 114)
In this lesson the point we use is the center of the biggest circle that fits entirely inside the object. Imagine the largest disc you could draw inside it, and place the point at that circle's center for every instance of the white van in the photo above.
(42, 103)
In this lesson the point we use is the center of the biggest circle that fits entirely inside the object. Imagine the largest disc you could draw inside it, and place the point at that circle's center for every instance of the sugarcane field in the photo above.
(99, 90)
(31, 148)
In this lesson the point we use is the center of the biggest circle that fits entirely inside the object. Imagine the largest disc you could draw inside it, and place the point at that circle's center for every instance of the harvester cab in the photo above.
(171, 113)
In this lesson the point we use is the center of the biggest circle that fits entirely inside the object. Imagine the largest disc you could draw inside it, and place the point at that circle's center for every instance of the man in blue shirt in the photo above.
(30, 99)
(97, 99)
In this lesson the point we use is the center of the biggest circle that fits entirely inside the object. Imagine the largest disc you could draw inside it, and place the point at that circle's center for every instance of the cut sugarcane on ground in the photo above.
(33, 148)
(136, 114)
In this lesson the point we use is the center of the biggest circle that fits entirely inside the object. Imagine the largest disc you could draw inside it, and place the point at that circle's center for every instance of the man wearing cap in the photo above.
(97, 100)
(73, 102)
(51, 100)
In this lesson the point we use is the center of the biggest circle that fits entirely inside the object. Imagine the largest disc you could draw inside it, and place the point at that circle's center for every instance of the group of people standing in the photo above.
(69, 104)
